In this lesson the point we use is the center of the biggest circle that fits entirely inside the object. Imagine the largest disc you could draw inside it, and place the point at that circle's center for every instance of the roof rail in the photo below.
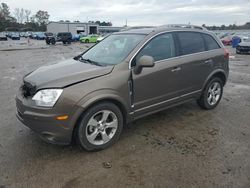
(136, 27)
(184, 26)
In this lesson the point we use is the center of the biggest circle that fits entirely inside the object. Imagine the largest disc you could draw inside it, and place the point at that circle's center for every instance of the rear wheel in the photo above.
(53, 41)
(87, 41)
(48, 42)
(100, 127)
(211, 94)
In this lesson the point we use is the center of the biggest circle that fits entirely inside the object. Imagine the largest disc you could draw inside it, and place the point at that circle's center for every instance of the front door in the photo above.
(157, 85)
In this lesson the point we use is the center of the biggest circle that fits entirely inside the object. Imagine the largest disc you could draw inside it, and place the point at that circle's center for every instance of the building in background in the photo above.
(73, 27)
(80, 28)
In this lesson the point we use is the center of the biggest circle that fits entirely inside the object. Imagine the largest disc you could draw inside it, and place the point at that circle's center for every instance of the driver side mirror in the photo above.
(144, 61)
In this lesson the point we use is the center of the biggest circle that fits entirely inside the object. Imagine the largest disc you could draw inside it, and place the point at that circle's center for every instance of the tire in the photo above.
(86, 41)
(210, 98)
(69, 41)
(48, 42)
(238, 52)
(53, 41)
(64, 42)
(99, 136)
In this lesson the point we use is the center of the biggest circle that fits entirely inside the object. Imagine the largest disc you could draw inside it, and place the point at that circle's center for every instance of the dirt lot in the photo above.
(180, 147)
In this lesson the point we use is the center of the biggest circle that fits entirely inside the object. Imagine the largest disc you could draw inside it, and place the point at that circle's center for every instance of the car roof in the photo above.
(139, 31)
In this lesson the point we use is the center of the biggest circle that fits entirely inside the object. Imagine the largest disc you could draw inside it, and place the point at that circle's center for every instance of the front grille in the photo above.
(244, 47)
(28, 89)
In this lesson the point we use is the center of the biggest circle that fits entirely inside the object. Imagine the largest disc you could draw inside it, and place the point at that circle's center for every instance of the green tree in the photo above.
(247, 25)
(4, 11)
(5, 19)
(42, 17)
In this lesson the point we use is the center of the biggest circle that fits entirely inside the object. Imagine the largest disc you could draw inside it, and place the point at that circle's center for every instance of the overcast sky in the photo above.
(142, 12)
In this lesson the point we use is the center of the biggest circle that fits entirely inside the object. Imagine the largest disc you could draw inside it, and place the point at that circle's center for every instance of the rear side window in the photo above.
(191, 42)
(161, 47)
(210, 42)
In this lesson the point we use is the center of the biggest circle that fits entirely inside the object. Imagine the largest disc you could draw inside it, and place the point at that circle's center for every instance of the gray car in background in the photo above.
(126, 76)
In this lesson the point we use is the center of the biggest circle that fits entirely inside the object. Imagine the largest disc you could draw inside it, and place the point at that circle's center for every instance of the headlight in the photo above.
(47, 97)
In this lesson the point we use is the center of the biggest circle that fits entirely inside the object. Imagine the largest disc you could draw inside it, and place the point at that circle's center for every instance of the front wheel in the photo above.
(238, 52)
(100, 127)
(211, 94)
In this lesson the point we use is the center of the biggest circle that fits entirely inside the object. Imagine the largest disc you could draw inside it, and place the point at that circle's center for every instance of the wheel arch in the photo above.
(87, 104)
(113, 100)
(217, 73)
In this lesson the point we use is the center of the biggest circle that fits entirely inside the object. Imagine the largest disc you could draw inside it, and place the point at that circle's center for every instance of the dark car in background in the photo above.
(3, 37)
(243, 47)
(49, 38)
(15, 36)
(8, 34)
(40, 36)
(64, 37)
(33, 35)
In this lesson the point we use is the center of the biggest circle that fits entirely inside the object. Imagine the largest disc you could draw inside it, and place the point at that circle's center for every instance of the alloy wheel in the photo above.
(214, 93)
(101, 127)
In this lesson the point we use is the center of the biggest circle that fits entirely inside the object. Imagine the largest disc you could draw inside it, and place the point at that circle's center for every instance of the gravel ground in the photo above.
(181, 147)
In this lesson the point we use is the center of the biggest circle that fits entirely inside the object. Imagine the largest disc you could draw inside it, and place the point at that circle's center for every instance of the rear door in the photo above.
(215, 52)
(195, 61)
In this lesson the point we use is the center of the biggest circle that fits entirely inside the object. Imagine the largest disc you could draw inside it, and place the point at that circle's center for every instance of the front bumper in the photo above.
(3, 38)
(43, 121)
(15, 38)
(243, 49)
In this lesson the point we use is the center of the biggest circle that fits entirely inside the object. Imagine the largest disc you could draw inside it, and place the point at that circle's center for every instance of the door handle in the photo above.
(208, 61)
(175, 69)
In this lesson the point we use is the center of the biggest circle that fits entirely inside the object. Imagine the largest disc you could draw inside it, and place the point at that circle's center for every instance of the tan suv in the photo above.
(126, 76)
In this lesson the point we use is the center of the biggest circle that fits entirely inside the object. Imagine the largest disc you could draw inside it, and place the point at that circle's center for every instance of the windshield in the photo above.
(113, 49)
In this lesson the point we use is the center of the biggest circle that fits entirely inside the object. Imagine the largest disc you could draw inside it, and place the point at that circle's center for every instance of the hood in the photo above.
(64, 74)
(244, 43)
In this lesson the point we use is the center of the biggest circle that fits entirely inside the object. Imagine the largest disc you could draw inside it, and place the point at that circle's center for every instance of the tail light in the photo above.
(226, 53)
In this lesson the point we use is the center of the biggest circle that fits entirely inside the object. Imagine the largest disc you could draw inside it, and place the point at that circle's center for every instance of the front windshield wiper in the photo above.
(89, 61)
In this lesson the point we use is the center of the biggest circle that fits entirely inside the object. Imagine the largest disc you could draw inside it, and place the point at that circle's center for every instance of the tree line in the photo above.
(229, 27)
(22, 20)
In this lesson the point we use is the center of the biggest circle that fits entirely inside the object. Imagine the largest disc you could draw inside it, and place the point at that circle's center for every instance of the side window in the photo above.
(210, 42)
(191, 42)
(161, 47)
